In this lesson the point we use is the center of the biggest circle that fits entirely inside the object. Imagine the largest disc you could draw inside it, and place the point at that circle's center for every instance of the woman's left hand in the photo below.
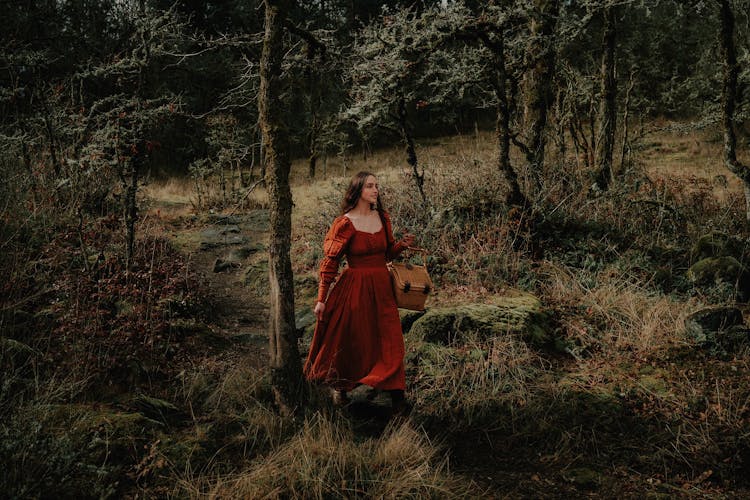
(408, 239)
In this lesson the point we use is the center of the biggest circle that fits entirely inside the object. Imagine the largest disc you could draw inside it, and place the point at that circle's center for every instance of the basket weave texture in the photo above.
(411, 285)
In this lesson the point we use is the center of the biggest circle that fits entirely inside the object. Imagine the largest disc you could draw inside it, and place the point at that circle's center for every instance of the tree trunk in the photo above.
(311, 164)
(502, 126)
(608, 120)
(729, 97)
(131, 202)
(286, 368)
(540, 59)
(625, 119)
(50, 136)
(411, 152)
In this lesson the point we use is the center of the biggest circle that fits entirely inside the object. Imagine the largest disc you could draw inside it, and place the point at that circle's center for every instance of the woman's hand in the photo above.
(408, 239)
(319, 308)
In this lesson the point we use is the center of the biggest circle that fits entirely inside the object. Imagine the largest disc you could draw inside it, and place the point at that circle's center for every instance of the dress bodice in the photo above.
(367, 249)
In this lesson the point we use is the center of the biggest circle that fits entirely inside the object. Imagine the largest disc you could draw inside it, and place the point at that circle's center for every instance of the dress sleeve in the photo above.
(394, 249)
(334, 246)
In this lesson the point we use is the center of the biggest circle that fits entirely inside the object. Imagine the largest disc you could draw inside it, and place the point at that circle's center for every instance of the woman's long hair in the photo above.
(353, 194)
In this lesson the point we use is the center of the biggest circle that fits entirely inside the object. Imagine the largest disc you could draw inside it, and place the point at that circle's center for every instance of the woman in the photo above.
(358, 338)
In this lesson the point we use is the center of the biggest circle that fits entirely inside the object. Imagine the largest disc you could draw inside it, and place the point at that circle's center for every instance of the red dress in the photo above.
(359, 339)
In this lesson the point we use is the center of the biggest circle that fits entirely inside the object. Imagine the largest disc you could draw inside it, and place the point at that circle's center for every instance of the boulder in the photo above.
(717, 244)
(521, 314)
(717, 270)
(408, 318)
(713, 319)
(720, 326)
(221, 265)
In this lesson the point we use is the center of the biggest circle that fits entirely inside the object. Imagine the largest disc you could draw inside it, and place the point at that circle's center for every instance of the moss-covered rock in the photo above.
(408, 318)
(720, 329)
(717, 244)
(725, 270)
(521, 314)
(583, 477)
(256, 277)
(712, 319)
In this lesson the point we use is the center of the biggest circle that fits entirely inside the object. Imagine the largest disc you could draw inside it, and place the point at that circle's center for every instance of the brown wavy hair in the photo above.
(354, 193)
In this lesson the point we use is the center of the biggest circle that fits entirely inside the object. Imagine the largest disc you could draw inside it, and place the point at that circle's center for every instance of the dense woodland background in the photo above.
(578, 170)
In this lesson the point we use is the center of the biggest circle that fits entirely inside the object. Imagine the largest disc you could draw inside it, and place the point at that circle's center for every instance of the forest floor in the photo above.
(595, 426)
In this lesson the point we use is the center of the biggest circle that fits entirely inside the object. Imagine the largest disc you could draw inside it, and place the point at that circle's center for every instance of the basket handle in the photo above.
(420, 250)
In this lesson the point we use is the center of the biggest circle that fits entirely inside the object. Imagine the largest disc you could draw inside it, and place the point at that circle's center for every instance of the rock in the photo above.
(717, 244)
(583, 477)
(230, 230)
(213, 237)
(220, 219)
(242, 253)
(304, 321)
(236, 257)
(256, 277)
(717, 270)
(521, 314)
(734, 338)
(714, 319)
(158, 409)
(408, 318)
(258, 220)
(721, 326)
(222, 265)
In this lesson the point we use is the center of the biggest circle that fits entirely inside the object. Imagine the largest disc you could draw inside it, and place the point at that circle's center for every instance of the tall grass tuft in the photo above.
(326, 460)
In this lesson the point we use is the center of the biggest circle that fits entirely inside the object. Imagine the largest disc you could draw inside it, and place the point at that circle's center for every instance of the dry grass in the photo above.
(694, 157)
(474, 382)
(615, 313)
(326, 460)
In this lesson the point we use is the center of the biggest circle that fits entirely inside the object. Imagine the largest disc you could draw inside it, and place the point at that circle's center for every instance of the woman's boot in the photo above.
(400, 406)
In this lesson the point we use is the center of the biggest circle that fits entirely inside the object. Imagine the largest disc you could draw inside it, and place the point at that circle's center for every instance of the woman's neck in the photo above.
(362, 208)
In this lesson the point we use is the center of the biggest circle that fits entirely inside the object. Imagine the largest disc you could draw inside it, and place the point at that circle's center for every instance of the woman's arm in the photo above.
(395, 248)
(334, 247)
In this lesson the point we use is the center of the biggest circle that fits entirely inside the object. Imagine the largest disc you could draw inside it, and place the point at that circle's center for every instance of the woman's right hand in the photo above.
(319, 308)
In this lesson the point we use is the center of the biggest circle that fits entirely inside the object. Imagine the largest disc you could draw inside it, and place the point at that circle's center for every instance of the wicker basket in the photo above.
(411, 283)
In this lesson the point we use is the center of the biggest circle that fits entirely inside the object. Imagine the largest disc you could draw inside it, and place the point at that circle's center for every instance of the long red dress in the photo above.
(359, 339)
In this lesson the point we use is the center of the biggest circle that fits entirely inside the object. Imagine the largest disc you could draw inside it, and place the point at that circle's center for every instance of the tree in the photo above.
(405, 67)
(492, 27)
(608, 111)
(729, 98)
(286, 369)
(538, 81)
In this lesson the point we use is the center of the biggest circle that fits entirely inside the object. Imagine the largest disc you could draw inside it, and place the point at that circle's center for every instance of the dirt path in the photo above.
(228, 252)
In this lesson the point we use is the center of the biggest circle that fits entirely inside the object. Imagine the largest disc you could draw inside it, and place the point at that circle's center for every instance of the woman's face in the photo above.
(370, 190)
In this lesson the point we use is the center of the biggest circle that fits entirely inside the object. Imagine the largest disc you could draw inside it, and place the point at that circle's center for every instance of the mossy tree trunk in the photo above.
(286, 368)
(608, 111)
(729, 99)
(514, 196)
(537, 85)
